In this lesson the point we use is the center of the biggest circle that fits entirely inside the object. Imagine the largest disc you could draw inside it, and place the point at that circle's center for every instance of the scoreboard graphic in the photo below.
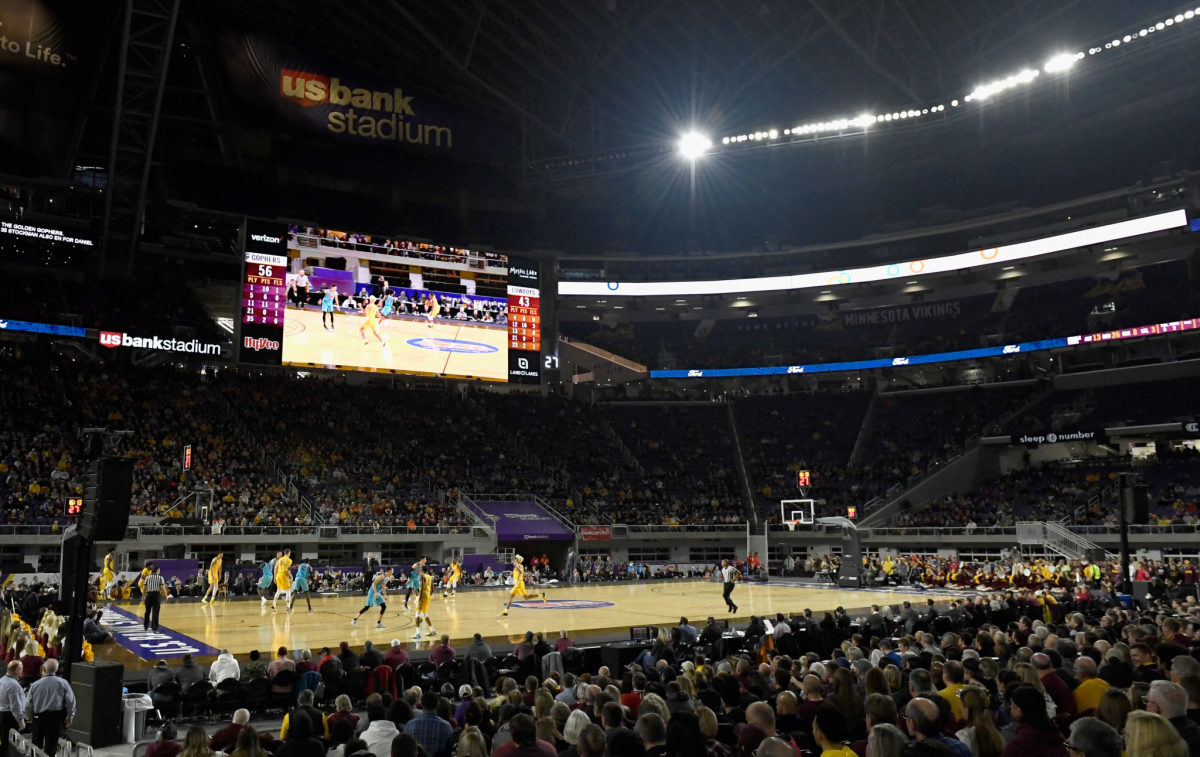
(524, 321)
(264, 293)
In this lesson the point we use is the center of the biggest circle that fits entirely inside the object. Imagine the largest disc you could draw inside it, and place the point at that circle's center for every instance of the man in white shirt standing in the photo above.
(12, 704)
(729, 575)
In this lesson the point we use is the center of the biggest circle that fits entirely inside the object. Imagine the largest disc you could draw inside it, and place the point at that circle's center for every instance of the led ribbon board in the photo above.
(1154, 329)
(908, 269)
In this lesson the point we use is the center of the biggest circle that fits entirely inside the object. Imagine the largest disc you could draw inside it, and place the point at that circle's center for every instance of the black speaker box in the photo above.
(98, 703)
(107, 494)
(174, 551)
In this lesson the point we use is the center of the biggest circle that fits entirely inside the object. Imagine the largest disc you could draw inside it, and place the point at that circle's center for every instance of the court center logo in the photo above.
(453, 345)
(562, 604)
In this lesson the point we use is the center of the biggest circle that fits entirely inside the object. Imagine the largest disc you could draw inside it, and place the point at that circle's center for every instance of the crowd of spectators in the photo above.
(1000, 676)
(289, 451)
(1079, 491)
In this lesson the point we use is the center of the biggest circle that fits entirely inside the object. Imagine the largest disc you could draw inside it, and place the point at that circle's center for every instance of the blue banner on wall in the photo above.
(42, 328)
(863, 365)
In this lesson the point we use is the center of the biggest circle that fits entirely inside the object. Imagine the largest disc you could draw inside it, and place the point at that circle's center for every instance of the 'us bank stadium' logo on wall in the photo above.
(562, 604)
(362, 112)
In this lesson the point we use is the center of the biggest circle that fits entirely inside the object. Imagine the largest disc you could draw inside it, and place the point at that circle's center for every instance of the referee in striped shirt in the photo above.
(152, 597)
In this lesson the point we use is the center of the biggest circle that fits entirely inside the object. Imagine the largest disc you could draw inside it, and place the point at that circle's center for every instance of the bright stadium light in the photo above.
(693, 145)
(1062, 62)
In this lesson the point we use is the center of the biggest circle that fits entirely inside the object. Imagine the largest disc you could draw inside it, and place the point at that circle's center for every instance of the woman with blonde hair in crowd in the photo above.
(1029, 675)
(472, 744)
(196, 743)
(547, 730)
(886, 740)
(708, 729)
(980, 734)
(1149, 734)
(894, 679)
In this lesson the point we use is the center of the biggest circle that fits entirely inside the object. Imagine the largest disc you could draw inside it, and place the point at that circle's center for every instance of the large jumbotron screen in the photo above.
(328, 298)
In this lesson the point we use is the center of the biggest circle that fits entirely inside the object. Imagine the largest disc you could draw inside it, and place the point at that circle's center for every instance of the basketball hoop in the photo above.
(791, 524)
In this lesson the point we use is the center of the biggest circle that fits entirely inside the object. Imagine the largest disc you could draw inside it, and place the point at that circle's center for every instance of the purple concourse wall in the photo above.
(524, 521)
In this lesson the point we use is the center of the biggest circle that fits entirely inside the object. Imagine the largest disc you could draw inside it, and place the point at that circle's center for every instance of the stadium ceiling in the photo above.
(590, 75)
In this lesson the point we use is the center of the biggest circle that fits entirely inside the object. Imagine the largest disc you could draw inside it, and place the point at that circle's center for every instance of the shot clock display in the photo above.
(264, 293)
(803, 479)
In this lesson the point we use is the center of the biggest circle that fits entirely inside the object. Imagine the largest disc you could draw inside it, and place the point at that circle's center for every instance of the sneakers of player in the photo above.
(366, 342)
(417, 635)
(379, 624)
(543, 596)
(354, 622)
(503, 613)
(385, 344)
(432, 632)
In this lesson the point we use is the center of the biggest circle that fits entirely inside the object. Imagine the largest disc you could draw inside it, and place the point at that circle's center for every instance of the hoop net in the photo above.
(791, 524)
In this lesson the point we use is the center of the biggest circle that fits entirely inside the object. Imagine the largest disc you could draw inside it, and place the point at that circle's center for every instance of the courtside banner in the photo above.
(524, 521)
(127, 629)
(595, 533)
(299, 89)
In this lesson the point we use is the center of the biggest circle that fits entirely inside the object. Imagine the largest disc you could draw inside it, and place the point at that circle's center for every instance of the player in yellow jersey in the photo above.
(371, 321)
(453, 576)
(518, 573)
(108, 573)
(147, 569)
(283, 579)
(432, 308)
(424, 595)
(214, 578)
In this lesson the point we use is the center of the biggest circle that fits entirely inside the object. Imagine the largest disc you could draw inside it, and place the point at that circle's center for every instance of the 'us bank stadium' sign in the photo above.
(303, 89)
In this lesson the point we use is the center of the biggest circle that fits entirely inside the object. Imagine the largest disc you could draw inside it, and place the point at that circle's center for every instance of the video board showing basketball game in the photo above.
(326, 298)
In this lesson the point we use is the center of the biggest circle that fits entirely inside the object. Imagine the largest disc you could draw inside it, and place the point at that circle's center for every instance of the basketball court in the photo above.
(451, 348)
(590, 613)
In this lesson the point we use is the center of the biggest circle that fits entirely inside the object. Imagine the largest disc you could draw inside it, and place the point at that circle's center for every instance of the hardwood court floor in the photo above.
(592, 611)
(449, 348)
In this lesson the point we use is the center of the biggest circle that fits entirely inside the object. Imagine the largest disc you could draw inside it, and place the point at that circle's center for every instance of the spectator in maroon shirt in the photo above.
(525, 648)
(1036, 736)
(396, 655)
(443, 652)
(306, 663)
(165, 745)
(812, 700)
(563, 641)
(1064, 699)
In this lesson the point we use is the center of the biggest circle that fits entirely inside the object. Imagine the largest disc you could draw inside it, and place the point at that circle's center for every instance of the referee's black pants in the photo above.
(727, 595)
(153, 605)
(46, 727)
